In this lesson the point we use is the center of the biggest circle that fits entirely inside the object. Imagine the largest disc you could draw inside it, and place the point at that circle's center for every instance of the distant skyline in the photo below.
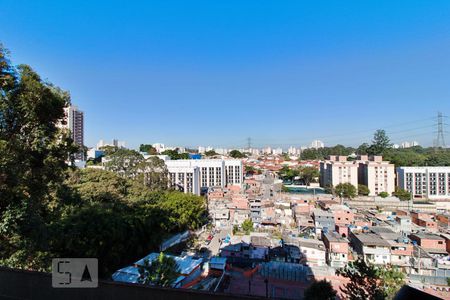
(215, 73)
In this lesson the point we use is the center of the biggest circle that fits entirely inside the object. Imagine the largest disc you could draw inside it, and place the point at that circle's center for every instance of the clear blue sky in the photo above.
(217, 72)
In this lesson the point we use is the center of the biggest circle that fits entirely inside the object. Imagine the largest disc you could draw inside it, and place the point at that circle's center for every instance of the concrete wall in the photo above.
(17, 284)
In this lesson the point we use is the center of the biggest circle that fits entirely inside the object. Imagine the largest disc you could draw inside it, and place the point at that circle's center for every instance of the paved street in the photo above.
(214, 246)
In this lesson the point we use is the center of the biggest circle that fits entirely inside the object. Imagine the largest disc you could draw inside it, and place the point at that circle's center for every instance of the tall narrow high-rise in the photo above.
(75, 123)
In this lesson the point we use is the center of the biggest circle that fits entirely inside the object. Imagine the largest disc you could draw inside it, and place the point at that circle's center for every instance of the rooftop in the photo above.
(428, 236)
(371, 239)
(311, 243)
(322, 213)
(335, 237)
(186, 263)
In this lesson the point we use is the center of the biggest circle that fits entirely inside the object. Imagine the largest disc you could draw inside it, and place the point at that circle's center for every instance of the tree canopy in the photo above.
(33, 154)
(153, 173)
(211, 153)
(247, 226)
(402, 194)
(124, 162)
(346, 190)
(149, 149)
(383, 194)
(307, 174)
(236, 154)
(363, 190)
(380, 143)
(323, 153)
(370, 282)
(164, 271)
(174, 154)
(320, 290)
(48, 209)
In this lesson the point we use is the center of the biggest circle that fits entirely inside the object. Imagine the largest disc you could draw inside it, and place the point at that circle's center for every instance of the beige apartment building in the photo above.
(337, 170)
(376, 174)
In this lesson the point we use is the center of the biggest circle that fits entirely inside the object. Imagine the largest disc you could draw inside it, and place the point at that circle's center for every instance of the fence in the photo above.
(433, 280)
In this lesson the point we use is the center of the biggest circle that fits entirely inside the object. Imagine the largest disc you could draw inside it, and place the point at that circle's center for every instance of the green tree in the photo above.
(383, 194)
(311, 154)
(247, 226)
(309, 174)
(392, 279)
(438, 158)
(286, 157)
(94, 185)
(211, 153)
(33, 154)
(380, 143)
(370, 282)
(184, 211)
(363, 149)
(402, 194)
(346, 190)
(153, 172)
(175, 155)
(364, 281)
(164, 271)
(235, 229)
(109, 150)
(148, 148)
(363, 190)
(329, 189)
(288, 174)
(49, 210)
(236, 154)
(338, 150)
(124, 162)
(250, 169)
(320, 290)
(405, 157)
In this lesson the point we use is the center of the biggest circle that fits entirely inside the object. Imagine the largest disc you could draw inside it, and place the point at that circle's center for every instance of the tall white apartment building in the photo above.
(293, 151)
(338, 170)
(74, 121)
(409, 144)
(376, 174)
(316, 144)
(255, 152)
(114, 143)
(277, 151)
(425, 182)
(267, 150)
(205, 173)
(159, 147)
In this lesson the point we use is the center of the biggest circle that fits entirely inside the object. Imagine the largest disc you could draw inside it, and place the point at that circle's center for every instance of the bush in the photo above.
(383, 194)
(363, 190)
